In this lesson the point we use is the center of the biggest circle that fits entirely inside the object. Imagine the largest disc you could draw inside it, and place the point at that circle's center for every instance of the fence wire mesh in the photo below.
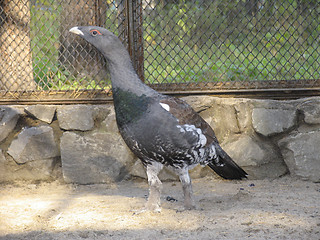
(175, 45)
(232, 44)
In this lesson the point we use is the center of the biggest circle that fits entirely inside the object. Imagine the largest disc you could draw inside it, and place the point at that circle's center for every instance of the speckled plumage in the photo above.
(160, 130)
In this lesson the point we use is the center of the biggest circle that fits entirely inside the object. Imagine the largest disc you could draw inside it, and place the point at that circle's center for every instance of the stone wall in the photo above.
(81, 143)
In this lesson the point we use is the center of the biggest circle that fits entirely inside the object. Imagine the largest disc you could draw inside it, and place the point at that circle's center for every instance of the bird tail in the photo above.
(225, 167)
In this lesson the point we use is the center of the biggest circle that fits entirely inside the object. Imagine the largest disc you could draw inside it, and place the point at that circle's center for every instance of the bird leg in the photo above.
(153, 203)
(187, 189)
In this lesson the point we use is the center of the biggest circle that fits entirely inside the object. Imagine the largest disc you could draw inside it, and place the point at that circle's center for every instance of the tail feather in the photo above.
(225, 167)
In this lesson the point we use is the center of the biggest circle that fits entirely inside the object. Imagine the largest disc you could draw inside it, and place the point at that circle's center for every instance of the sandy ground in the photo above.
(284, 208)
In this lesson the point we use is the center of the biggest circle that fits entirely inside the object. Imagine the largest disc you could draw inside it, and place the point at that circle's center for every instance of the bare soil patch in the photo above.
(284, 208)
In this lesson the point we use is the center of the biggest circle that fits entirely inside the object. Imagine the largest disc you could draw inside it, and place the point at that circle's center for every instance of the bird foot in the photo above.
(186, 208)
(148, 208)
(145, 210)
(153, 207)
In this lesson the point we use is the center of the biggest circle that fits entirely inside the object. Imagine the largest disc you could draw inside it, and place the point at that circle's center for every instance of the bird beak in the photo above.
(76, 30)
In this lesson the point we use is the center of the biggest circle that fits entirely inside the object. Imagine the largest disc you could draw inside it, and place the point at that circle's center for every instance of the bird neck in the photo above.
(124, 77)
(131, 97)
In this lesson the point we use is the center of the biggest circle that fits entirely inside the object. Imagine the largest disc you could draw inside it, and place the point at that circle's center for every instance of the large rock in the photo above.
(270, 122)
(259, 161)
(33, 155)
(8, 120)
(35, 143)
(97, 157)
(243, 108)
(311, 110)
(301, 152)
(224, 121)
(109, 124)
(44, 113)
(33, 170)
(75, 117)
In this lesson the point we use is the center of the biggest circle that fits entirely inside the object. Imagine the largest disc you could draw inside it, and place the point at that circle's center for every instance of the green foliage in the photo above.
(189, 41)
(44, 33)
(49, 74)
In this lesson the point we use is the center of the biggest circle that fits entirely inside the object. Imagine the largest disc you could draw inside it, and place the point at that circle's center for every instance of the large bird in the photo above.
(159, 129)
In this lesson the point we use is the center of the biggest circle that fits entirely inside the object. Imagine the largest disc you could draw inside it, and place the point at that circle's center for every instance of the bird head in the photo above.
(104, 40)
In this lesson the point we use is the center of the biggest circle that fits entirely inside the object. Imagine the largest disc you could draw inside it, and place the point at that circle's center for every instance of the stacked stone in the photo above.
(81, 143)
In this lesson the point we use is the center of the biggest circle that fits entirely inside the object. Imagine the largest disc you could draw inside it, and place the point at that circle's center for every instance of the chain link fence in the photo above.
(232, 45)
(176, 46)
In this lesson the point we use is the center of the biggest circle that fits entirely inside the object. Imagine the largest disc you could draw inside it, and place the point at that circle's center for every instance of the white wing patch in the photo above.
(165, 106)
(196, 131)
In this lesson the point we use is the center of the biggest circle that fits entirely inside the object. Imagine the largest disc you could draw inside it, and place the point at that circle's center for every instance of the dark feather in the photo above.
(186, 115)
(223, 165)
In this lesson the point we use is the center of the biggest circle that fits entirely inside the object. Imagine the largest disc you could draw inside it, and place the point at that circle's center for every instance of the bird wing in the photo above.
(186, 115)
(222, 164)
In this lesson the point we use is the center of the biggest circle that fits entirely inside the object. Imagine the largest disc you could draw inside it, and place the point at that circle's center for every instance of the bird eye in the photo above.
(95, 32)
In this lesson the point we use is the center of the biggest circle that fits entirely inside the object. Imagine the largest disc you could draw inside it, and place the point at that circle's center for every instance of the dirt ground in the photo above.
(284, 208)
